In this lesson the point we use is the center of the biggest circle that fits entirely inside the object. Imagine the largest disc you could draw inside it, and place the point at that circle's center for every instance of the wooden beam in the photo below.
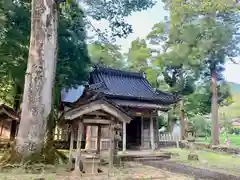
(142, 113)
(97, 105)
(98, 113)
(97, 121)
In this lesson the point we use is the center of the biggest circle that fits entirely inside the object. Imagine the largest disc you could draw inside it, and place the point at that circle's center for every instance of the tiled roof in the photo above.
(127, 85)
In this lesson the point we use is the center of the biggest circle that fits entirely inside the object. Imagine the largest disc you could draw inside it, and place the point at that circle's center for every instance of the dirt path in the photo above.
(188, 170)
(130, 171)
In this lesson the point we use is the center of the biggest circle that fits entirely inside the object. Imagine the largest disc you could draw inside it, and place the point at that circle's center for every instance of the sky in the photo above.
(142, 22)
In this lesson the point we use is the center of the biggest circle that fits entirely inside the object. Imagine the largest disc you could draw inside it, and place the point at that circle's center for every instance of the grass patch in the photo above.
(210, 160)
(234, 139)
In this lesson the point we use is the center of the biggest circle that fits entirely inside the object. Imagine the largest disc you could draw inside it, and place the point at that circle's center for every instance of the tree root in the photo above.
(10, 156)
(48, 155)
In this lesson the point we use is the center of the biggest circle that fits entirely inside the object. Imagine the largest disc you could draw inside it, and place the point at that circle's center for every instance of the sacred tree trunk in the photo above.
(214, 108)
(182, 120)
(39, 78)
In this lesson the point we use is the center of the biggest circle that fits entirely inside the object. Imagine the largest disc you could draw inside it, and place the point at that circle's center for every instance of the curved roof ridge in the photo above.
(118, 72)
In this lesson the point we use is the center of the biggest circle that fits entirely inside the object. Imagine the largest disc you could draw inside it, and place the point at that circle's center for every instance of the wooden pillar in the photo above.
(124, 137)
(152, 134)
(142, 134)
(111, 150)
(98, 139)
(71, 146)
(88, 138)
(78, 152)
(116, 158)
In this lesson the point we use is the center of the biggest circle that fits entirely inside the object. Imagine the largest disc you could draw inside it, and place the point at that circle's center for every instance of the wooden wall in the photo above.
(145, 137)
(91, 139)
(5, 129)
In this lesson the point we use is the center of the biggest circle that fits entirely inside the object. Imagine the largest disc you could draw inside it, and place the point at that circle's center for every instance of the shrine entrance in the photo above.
(133, 131)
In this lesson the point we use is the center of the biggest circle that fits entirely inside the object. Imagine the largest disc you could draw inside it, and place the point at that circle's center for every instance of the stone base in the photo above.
(193, 157)
(91, 165)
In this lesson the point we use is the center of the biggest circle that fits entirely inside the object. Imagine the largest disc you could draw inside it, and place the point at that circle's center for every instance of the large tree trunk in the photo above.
(214, 108)
(170, 122)
(182, 120)
(39, 78)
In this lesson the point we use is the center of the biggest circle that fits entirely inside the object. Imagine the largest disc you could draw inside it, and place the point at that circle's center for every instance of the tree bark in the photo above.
(214, 108)
(39, 78)
(170, 122)
(182, 120)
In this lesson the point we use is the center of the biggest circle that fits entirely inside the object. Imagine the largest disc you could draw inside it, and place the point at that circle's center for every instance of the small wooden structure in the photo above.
(96, 112)
(8, 122)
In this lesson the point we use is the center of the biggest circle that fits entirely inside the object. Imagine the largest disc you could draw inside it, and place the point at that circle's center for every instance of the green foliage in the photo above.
(225, 123)
(114, 12)
(201, 125)
(6, 91)
(232, 111)
(73, 60)
(108, 55)
(140, 60)
(199, 102)
(234, 139)
(197, 40)
(139, 55)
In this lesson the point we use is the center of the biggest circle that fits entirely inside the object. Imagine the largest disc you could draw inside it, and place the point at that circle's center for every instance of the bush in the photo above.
(235, 131)
(201, 125)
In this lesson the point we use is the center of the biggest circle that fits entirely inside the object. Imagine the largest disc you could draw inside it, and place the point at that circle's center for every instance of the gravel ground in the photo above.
(130, 171)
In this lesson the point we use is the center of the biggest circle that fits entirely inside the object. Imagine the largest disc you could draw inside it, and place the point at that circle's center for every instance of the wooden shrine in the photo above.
(99, 113)
(129, 94)
(9, 121)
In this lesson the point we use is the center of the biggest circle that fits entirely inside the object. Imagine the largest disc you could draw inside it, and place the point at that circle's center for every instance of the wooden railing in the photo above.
(169, 137)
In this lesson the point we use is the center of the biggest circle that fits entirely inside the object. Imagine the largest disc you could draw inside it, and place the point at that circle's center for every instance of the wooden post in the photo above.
(152, 134)
(111, 130)
(79, 140)
(71, 146)
(98, 139)
(124, 137)
(116, 158)
(142, 134)
(88, 138)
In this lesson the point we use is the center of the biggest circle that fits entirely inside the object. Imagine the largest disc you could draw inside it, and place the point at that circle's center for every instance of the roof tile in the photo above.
(128, 85)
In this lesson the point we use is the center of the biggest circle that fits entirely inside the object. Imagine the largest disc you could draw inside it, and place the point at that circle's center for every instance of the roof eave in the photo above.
(149, 100)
